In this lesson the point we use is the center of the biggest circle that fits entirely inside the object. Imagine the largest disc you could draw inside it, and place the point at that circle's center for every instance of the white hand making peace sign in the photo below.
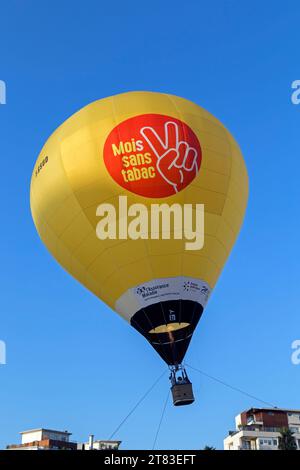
(175, 158)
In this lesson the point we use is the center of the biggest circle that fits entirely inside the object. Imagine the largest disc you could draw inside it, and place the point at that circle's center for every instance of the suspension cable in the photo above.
(231, 386)
(136, 405)
(161, 419)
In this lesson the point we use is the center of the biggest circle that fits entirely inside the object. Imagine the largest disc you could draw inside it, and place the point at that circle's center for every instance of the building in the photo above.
(259, 429)
(48, 439)
(44, 439)
(93, 444)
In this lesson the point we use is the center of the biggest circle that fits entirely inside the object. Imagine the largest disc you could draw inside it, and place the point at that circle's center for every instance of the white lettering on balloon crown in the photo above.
(161, 221)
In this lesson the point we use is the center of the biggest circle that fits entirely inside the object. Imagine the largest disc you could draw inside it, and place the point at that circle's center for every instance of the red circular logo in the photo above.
(152, 155)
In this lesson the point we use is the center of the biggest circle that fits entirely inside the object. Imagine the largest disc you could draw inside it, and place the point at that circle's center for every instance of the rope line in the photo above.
(231, 386)
(137, 404)
(161, 419)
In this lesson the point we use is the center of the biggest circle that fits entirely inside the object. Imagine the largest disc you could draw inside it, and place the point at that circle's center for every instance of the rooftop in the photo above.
(107, 440)
(46, 430)
(285, 410)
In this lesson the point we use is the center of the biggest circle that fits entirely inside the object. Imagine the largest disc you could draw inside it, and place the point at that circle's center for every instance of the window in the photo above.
(274, 442)
(246, 445)
(250, 419)
(261, 442)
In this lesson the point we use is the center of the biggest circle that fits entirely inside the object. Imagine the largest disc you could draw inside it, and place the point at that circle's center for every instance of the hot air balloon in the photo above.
(146, 149)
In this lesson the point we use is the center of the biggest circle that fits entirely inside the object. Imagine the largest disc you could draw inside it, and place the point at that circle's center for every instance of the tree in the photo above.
(209, 448)
(287, 440)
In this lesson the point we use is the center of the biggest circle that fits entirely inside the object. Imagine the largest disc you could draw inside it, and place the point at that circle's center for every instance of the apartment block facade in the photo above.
(259, 429)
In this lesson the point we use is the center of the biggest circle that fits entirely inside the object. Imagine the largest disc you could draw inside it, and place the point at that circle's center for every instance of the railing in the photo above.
(255, 428)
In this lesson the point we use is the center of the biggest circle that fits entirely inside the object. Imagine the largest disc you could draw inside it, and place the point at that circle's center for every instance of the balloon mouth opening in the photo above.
(169, 327)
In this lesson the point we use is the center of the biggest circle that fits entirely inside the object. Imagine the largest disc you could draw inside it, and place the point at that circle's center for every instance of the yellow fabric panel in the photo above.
(90, 248)
(214, 250)
(226, 234)
(157, 103)
(76, 232)
(205, 124)
(64, 215)
(200, 267)
(78, 174)
(187, 107)
(232, 215)
(102, 267)
(215, 161)
(50, 180)
(128, 252)
(211, 223)
(168, 265)
(68, 189)
(213, 201)
(48, 236)
(119, 281)
(238, 195)
(98, 190)
(215, 143)
(213, 181)
(163, 247)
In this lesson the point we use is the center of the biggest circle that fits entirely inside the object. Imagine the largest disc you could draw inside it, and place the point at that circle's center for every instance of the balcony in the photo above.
(255, 428)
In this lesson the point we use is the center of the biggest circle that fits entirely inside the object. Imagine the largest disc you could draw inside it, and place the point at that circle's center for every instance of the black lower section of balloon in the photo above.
(170, 345)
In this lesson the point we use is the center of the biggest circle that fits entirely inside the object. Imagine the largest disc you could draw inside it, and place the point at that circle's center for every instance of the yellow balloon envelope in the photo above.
(132, 152)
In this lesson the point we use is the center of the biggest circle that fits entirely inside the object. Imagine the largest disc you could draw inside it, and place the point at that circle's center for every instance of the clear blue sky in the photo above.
(71, 362)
